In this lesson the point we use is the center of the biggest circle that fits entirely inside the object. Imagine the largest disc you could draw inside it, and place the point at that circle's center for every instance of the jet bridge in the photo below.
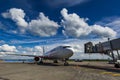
(109, 47)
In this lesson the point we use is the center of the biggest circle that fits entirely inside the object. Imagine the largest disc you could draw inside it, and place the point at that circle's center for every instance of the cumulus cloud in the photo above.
(112, 22)
(36, 50)
(7, 48)
(103, 31)
(76, 26)
(73, 24)
(17, 15)
(43, 26)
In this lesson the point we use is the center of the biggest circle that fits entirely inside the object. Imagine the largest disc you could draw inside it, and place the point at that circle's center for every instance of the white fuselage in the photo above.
(60, 52)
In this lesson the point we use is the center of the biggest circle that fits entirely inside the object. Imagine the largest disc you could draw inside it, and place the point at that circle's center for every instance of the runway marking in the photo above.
(116, 75)
(106, 73)
(112, 74)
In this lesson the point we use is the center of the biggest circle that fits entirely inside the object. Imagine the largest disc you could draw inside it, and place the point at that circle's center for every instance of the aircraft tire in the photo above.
(66, 64)
(117, 65)
(55, 61)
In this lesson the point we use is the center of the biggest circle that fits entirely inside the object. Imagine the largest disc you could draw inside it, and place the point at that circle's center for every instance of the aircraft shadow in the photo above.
(48, 64)
(106, 68)
(45, 64)
(1, 78)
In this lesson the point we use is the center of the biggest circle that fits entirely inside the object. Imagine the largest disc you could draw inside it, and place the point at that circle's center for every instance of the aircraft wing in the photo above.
(22, 55)
(40, 56)
(28, 55)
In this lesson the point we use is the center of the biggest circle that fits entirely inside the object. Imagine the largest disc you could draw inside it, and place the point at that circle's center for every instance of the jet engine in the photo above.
(36, 58)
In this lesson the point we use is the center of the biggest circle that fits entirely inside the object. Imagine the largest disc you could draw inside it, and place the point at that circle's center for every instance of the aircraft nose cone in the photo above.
(70, 52)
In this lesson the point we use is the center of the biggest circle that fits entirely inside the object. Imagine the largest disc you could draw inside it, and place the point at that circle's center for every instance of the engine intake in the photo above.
(36, 58)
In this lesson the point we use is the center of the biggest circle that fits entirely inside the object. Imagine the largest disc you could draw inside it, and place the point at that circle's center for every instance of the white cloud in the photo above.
(76, 26)
(43, 26)
(17, 15)
(36, 50)
(103, 31)
(113, 22)
(7, 48)
(73, 24)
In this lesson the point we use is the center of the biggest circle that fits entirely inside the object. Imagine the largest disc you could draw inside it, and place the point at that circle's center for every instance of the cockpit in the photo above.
(66, 46)
(63, 47)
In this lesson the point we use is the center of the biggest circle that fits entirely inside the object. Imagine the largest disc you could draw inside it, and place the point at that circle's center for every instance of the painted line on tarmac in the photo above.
(111, 73)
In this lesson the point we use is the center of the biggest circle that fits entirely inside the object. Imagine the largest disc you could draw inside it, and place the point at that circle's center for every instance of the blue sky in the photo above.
(29, 23)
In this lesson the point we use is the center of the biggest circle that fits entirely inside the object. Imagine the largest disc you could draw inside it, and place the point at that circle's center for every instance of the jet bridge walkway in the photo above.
(110, 48)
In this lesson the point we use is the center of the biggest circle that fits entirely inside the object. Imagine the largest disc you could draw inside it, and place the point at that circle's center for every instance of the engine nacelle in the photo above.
(36, 58)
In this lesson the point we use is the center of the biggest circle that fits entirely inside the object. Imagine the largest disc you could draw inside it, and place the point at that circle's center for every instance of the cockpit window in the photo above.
(66, 46)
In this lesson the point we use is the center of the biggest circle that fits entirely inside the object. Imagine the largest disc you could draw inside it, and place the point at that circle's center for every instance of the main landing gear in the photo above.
(117, 64)
(55, 61)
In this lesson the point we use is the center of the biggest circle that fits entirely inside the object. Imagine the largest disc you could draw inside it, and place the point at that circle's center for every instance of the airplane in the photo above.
(59, 53)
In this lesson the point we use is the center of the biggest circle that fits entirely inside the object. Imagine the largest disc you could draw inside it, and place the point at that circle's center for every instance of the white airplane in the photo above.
(59, 53)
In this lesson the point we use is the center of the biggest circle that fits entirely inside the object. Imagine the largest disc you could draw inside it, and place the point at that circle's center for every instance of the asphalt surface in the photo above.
(51, 71)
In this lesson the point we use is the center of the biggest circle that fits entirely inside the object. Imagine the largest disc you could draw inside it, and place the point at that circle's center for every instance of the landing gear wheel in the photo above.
(117, 65)
(66, 64)
(41, 62)
(55, 61)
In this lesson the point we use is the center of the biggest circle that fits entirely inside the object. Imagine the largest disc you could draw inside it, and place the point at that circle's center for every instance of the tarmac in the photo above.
(56, 71)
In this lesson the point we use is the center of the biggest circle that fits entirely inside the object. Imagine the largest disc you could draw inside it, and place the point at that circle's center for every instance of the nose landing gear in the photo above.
(66, 63)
